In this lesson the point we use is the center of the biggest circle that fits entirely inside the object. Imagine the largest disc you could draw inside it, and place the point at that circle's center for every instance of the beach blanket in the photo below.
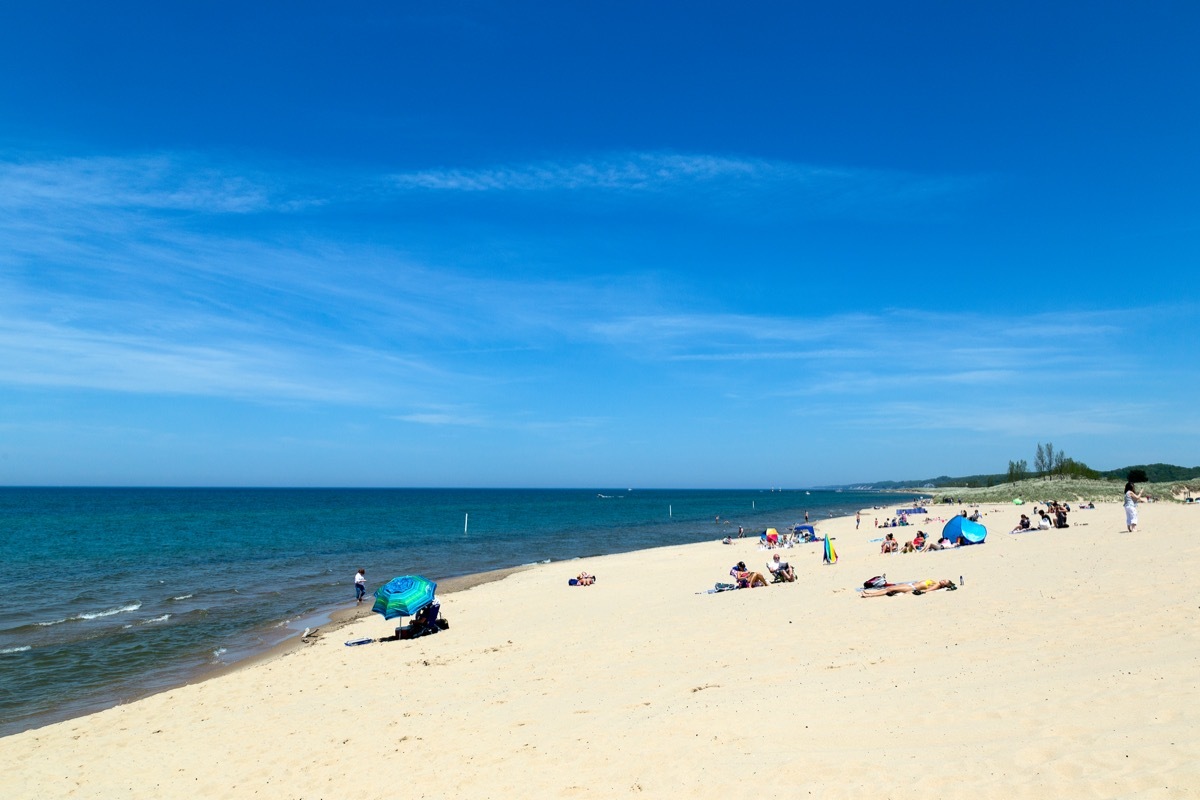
(719, 587)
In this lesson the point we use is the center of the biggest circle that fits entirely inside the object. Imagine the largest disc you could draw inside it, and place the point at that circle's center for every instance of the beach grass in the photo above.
(1042, 490)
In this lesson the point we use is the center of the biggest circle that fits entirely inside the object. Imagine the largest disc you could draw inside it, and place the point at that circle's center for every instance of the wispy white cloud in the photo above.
(163, 183)
(630, 172)
(724, 181)
(107, 286)
(1063, 418)
(441, 415)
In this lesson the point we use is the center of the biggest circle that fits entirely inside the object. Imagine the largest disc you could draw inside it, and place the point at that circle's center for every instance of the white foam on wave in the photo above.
(92, 615)
(21, 649)
(110, 612)
(163, 618)
(220, 651)
(183, 597)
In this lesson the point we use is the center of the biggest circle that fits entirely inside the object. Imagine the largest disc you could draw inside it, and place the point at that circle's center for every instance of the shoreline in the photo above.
(540, 689)
(270, 638)
(334, 618)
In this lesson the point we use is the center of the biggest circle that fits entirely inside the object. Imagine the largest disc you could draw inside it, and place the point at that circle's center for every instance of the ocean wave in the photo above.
(21, 649)
(112, 611)
(88, 615)
(220, 651)
(183, 597)
(163, 618)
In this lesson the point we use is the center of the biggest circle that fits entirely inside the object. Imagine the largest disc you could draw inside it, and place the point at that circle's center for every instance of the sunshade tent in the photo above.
(403, 596)
(962, 528)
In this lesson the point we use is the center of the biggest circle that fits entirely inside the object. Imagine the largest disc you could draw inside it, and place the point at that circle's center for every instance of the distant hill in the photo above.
(1155, 473)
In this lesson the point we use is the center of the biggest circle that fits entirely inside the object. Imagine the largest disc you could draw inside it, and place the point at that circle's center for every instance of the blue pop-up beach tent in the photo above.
(962, 528)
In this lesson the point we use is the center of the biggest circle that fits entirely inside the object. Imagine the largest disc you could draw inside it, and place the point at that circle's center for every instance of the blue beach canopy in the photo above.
(962, 528)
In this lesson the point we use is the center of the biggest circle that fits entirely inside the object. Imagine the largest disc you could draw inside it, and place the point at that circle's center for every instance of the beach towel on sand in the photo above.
(719, 587)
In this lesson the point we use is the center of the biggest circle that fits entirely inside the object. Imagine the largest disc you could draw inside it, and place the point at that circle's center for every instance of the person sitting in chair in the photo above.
(781, 570)
(745, 578)
(425, 620)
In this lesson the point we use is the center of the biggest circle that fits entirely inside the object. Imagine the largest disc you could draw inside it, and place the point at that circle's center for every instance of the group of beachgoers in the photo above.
(771, 539)
(779, 570)
(921, 543)
(1054, 515)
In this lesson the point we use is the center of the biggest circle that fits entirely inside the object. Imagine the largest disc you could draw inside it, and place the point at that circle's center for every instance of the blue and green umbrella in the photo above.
(403, 596)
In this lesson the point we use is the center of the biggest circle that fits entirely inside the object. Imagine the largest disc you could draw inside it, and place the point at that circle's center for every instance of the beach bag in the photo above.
(878, 582)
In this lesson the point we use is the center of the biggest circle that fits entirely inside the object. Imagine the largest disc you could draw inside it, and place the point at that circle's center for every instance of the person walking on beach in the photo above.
(857, 520)
(1132, 498)
(360, 585)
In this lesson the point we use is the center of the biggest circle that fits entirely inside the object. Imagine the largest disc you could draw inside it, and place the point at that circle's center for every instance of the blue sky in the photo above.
(620, 244)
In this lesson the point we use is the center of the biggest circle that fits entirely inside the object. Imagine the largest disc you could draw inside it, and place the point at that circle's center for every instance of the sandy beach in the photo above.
(1068, 665)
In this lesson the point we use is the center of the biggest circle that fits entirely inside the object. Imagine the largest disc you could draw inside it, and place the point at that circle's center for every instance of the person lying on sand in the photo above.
(585, 579)
(941, 544)
(913, 587)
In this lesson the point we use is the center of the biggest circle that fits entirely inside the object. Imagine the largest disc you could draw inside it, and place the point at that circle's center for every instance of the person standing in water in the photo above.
(360, 585)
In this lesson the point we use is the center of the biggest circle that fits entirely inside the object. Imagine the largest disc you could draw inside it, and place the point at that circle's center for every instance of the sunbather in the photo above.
(890, 545)
(912, 587)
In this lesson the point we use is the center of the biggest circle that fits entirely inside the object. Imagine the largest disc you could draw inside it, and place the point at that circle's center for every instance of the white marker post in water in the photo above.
(465, 517)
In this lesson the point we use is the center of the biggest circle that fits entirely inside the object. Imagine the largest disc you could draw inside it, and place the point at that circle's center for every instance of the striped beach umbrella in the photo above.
(403, 596)
(830, 555)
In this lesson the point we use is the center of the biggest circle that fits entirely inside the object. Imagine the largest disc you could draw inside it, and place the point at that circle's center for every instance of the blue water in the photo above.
(109, 594)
